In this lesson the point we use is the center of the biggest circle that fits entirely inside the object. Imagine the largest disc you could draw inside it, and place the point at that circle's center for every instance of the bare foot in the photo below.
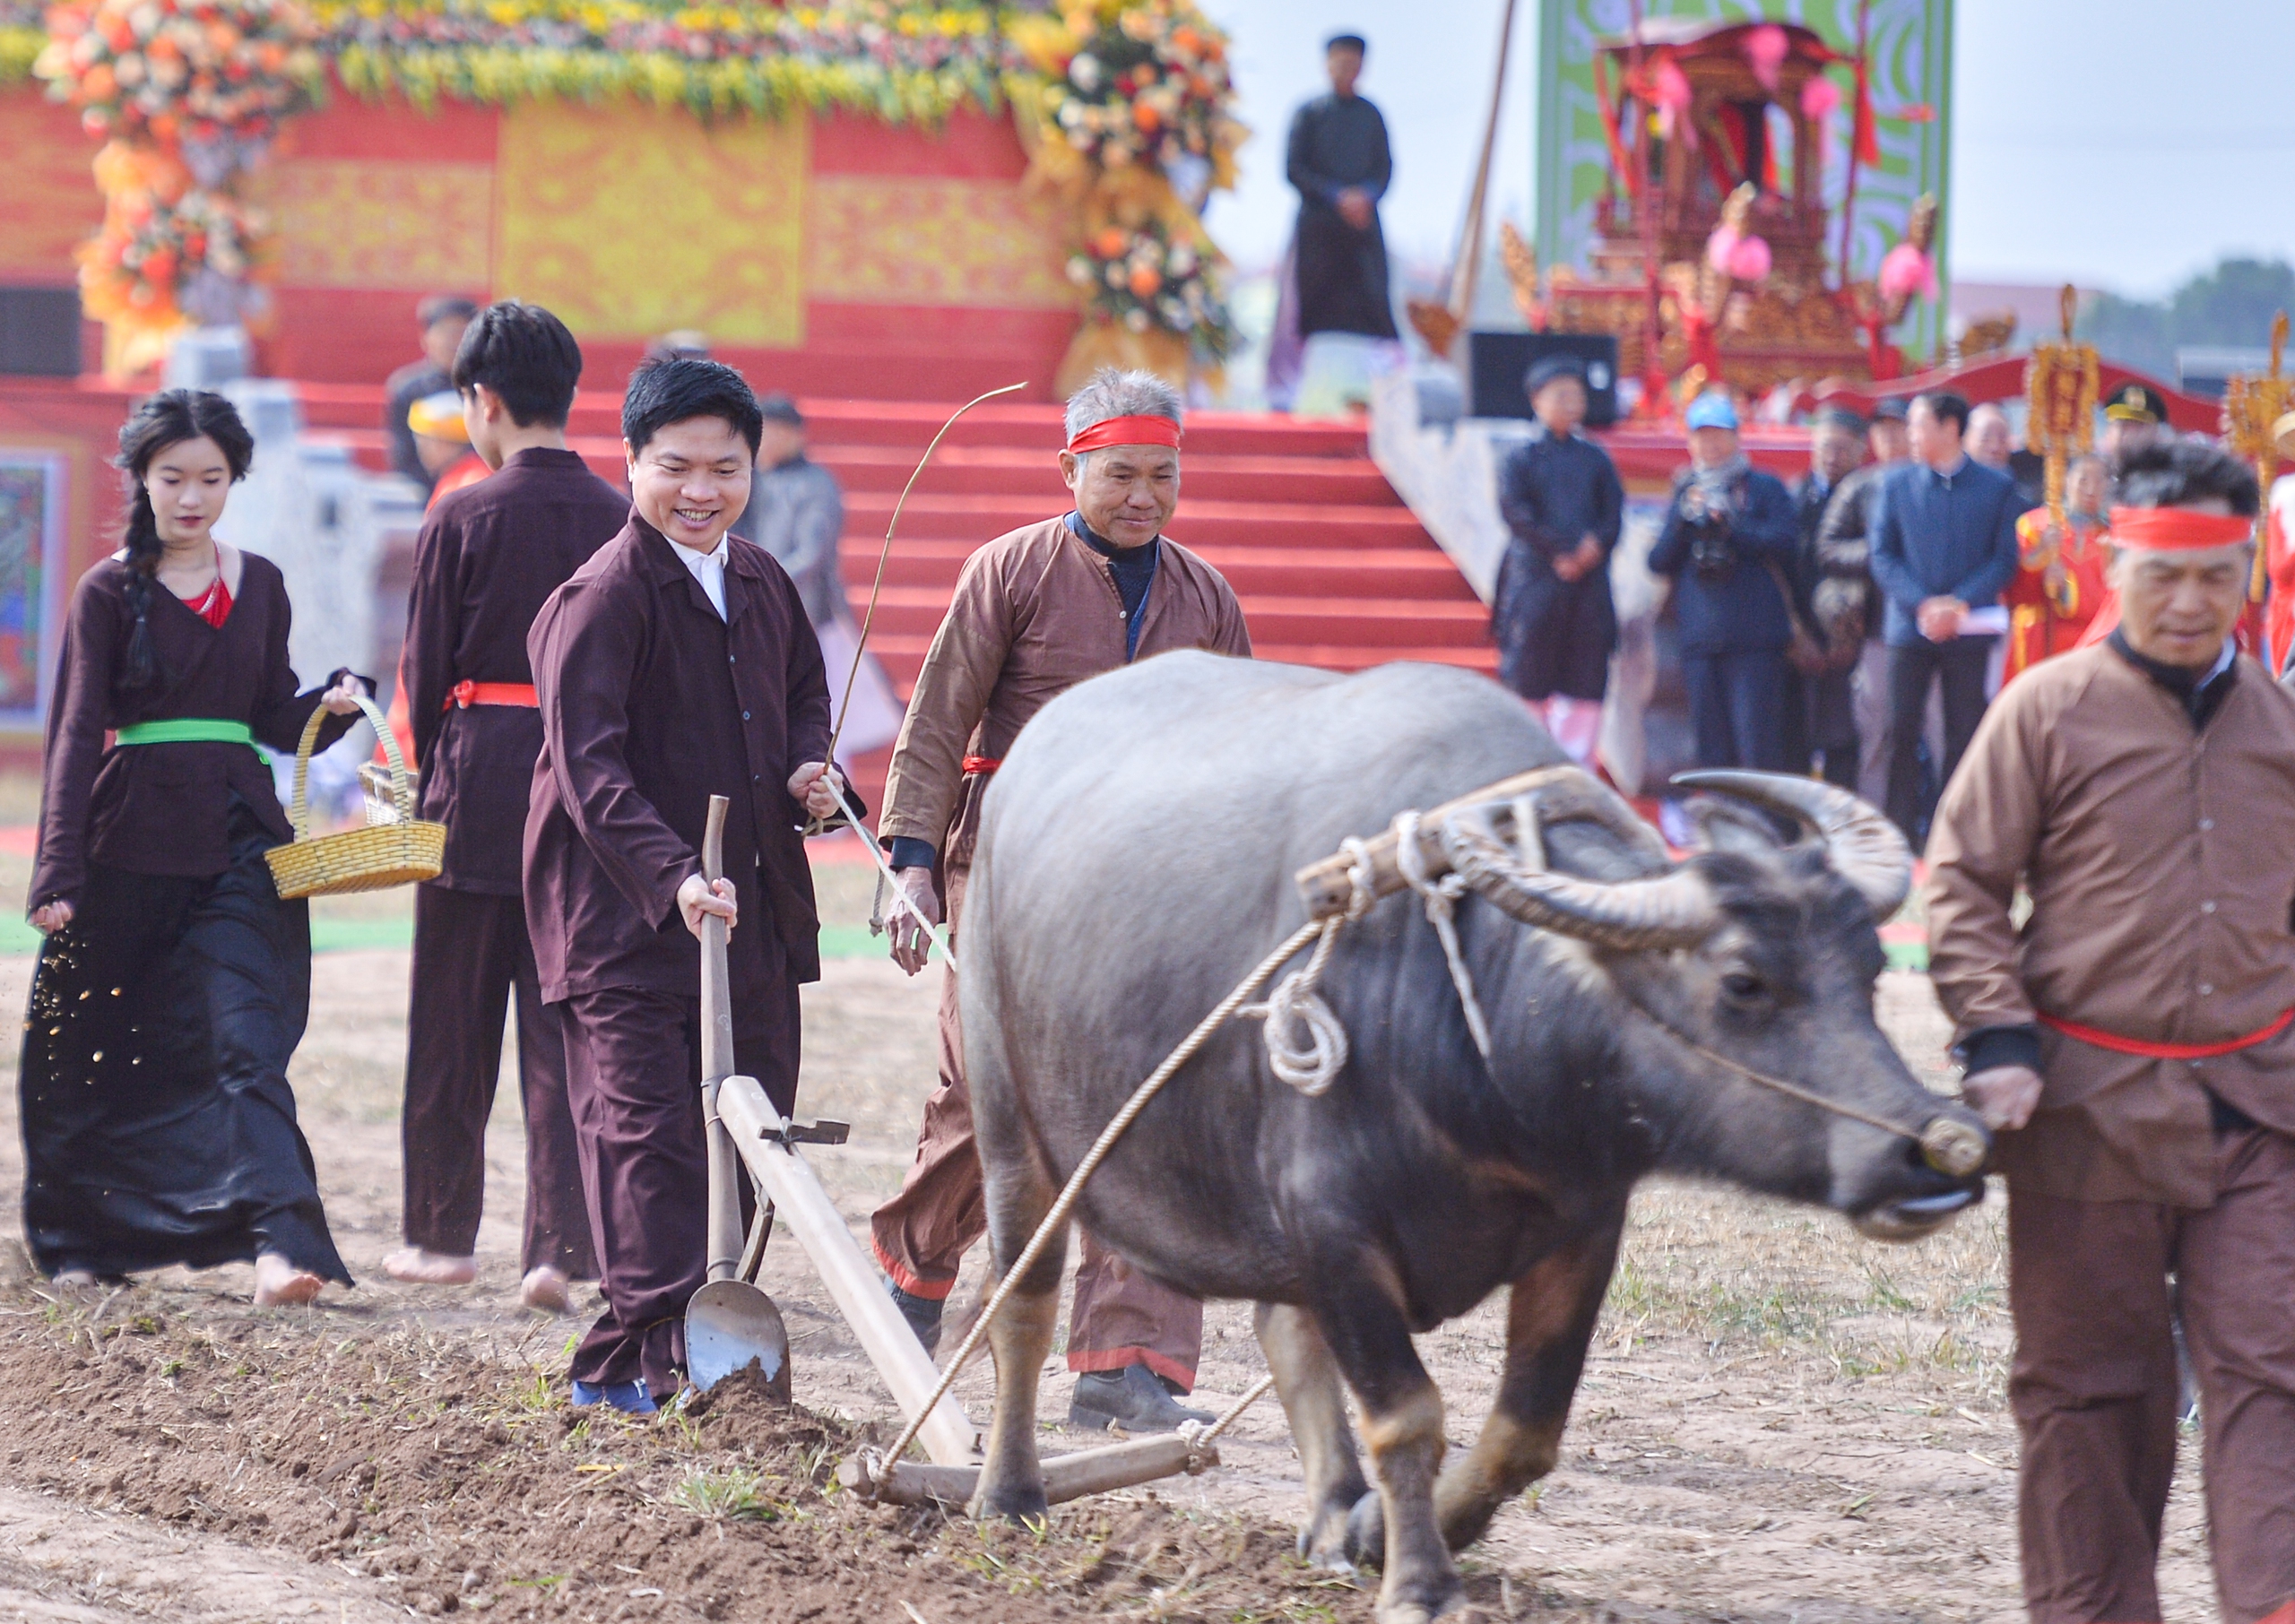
(278, 1284)
(548, 1290)
(416, 1267)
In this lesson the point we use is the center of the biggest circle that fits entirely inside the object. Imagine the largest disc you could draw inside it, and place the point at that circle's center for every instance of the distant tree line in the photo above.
(2232, 305)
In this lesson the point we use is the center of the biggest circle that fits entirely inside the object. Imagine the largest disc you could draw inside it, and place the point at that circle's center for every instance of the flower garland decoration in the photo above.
(890, 59)
(185, 95)
(1144, 278)
(1120, 83)
(1124, 105)
(196, 71)
(165, 243)
(24, 35)
(1146, 82)
(1127, 110)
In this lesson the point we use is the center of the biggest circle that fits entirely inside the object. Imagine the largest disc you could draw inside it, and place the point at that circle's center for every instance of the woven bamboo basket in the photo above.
(399, 852)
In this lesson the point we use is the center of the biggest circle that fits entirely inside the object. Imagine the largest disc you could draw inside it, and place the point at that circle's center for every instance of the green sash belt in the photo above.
(190, 730)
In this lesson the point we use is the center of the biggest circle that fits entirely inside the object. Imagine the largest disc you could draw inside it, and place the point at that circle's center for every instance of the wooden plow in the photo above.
(743, 1123)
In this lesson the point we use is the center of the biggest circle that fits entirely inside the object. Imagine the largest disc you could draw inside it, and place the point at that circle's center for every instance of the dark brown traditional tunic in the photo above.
(651, 704)
(488, 557)
(2156, 839)
(1035, 612)
(159, 1126)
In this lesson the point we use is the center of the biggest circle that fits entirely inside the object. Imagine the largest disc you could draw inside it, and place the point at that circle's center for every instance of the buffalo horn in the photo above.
(1634, 916)
(1863, 846)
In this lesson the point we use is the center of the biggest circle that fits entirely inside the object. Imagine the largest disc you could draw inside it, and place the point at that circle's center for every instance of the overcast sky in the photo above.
(2140, 143)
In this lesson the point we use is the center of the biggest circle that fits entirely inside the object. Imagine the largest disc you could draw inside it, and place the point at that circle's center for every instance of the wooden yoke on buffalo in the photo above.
(1519, 807)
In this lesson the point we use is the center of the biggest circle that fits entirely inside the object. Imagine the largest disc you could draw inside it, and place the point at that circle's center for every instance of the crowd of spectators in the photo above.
(1854, 625)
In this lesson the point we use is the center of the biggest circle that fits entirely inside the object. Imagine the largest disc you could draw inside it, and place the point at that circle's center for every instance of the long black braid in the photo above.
(167, 419)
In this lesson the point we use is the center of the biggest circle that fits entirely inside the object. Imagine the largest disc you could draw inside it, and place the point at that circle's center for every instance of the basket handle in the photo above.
(401, 791)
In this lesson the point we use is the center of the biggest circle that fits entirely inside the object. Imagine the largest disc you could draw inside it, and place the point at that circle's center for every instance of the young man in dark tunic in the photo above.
(1339, 164)
(487, 557)
(1553, 617)
(675, 665)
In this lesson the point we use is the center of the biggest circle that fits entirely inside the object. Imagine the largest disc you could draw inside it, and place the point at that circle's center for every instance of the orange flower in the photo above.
(1145, 118)
(1147, 281)
(98, 83)
(1111, 242)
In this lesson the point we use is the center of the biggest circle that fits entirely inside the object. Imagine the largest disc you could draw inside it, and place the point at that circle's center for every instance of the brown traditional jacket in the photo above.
(488, 556)
(650, 704)
(165, 809)
(1035, 612)
(2161, 862)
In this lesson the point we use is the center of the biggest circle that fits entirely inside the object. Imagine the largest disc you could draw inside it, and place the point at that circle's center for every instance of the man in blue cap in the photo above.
(1728, 541)
(1552, 616)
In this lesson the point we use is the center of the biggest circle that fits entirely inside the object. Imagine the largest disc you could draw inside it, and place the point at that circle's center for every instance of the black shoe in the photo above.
(1132, 1400)
(923, 1314)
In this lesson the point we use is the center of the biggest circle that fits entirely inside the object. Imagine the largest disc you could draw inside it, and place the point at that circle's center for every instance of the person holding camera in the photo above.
(1729, 538)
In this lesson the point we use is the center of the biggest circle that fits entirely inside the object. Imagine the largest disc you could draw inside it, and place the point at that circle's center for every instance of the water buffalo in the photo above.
(1137, 857)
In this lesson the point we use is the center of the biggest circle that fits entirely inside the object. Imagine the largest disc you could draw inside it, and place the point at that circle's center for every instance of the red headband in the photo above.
(1127, 431)
(2178, 530)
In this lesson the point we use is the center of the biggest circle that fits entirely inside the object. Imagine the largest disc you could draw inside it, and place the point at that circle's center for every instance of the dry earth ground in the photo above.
(1780, 1422)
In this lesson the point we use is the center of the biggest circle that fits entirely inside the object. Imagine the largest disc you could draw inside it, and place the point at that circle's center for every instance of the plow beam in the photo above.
(799, 1201)
(1066, 1477)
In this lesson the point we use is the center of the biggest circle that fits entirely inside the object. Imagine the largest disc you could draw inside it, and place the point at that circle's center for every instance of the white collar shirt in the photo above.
(709, 569)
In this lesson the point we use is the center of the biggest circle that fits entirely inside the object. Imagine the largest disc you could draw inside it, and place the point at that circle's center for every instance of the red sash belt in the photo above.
(982, 764)
(2168, 1052)
(468, 694)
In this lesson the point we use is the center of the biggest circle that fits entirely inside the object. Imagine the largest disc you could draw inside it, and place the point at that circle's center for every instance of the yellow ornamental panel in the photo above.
(879, 239)
(630, 221)
(375, 223)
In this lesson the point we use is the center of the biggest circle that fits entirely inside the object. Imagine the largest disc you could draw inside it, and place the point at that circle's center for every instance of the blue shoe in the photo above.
(629, 1397)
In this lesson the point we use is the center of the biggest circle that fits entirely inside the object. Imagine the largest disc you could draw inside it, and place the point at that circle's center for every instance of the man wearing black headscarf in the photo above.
(1339, 164)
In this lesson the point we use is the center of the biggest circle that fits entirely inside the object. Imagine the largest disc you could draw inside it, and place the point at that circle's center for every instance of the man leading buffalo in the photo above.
(1037, 612)
(2133, 1039)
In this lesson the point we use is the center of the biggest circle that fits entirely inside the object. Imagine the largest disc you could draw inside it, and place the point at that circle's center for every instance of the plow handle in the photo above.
(726, 1236)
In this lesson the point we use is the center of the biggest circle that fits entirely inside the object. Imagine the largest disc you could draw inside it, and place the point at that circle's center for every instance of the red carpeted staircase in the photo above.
(1332, 569)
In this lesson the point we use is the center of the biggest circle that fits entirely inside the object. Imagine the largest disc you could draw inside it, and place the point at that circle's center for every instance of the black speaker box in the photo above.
(40, 332)
(1497, 362)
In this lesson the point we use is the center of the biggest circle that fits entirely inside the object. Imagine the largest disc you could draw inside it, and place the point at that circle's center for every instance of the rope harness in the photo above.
(1311, 1064)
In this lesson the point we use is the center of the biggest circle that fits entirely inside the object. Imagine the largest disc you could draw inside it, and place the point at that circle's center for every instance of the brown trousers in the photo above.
(470, 950)
(634, 1078)
(2094, 1388)
(1121, 1316)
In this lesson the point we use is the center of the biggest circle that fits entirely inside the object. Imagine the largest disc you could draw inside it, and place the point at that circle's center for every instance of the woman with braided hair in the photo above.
(173, 986)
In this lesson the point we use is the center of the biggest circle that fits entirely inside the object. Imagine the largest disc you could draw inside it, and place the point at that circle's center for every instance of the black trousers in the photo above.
(1737, 709)
(634, 1077)
(470, 950)
(1958, 667)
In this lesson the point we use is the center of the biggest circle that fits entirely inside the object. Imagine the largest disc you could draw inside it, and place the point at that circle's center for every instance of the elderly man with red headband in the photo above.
(1037, 612)
(2132, 1044)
